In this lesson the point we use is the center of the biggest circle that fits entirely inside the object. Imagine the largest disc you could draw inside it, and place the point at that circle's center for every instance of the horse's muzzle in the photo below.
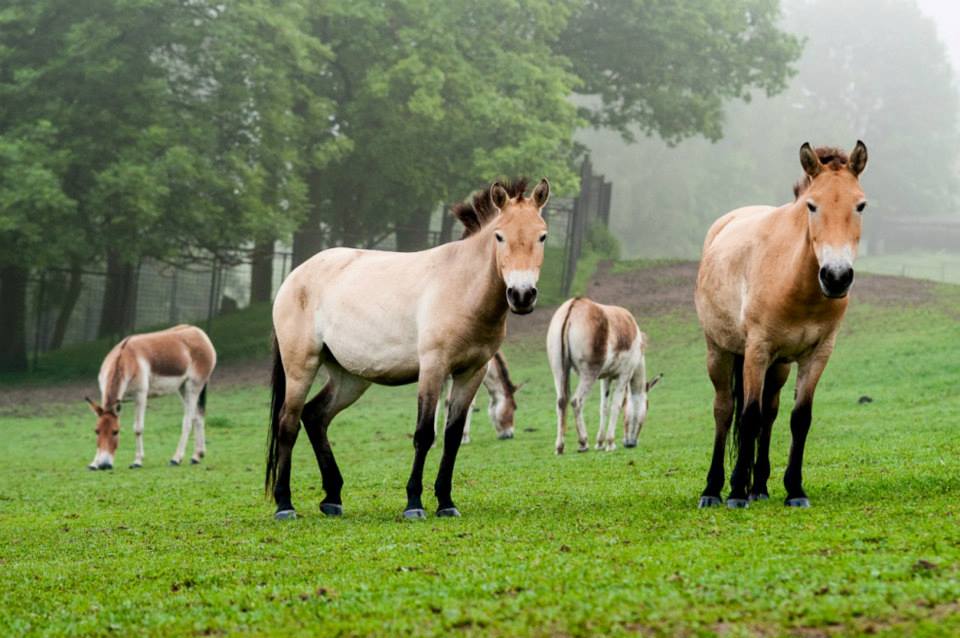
(835, 280)
(522, 300)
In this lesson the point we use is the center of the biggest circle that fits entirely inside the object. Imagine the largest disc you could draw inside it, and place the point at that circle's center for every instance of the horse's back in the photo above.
(602, 337)
(177, 352)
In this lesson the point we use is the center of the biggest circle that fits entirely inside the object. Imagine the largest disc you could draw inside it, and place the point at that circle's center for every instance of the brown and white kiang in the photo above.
(599, 342)
(179, 359)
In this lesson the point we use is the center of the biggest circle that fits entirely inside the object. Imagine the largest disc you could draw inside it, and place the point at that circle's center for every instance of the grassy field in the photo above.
(583, 544)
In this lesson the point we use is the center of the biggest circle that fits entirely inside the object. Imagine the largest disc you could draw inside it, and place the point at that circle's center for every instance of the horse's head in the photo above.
(108, 435)
(635, 406)
(834, 201)
(520, 233)
(503, 408)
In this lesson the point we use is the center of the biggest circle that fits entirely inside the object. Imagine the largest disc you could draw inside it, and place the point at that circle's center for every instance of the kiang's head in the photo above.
(519, 232)
(108, 434)
(831, 194)
(636, 405)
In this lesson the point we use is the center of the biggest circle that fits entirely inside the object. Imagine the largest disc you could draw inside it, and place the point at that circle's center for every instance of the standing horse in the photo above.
(599, 342)
(771, 291)
(395, 318)
(179, 359)
(503, 404)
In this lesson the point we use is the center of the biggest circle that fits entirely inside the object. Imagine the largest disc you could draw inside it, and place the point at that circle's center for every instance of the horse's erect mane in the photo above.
(831, 158)
(478, 209)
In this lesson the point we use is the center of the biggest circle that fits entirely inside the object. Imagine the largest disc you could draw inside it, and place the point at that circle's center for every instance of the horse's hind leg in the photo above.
(776, 376)
(587, 379)
(199, 427)
(720, 367)
(461, 401)
(299, 372)
(188, 395)
(341, 391)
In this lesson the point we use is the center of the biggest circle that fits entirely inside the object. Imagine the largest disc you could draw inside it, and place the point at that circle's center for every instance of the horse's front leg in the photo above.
(755, 363)
(430, 384)
(140, 412)
(461, 400)
(808, 375)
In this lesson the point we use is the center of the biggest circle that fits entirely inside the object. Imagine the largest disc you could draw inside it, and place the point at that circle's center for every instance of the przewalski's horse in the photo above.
(395, 318)
(772, 290)
(503, 404)
(599, 342)
(179, 359)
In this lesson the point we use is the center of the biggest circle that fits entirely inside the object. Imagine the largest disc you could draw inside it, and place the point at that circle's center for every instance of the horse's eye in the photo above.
(861, 207)
(498, 236)
(543, 238)
(811, 207)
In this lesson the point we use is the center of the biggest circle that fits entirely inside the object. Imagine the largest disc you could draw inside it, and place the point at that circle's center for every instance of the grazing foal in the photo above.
(503, 404)
(771, 291)
(370, 316)
(599, 342)
(179, 359)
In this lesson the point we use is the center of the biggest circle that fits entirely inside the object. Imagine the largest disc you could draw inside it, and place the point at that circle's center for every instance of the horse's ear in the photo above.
(809, 160)
(498, 196)
(858, 158)
(654, 381)
(93, 406)
(541, 194)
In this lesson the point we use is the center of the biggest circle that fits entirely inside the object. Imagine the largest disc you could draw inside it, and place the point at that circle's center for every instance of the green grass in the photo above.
(575, 545)
(937, 266)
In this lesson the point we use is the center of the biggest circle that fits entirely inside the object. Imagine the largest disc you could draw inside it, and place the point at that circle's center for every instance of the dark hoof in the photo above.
(194, 461)
(106, 466)
(173, 463)
(709, 501)
(285, 515)
(737, 503)
(331, 509)
(583, 448)
(416, 514)
(630, 444)
(448, 512)
(136, 466)
(762, 496)
(803, 501)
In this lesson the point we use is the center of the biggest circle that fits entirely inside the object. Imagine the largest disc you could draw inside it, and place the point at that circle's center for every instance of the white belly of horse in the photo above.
(160, 385)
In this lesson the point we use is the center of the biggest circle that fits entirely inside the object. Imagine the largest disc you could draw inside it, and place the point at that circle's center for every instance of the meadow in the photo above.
(581, 544)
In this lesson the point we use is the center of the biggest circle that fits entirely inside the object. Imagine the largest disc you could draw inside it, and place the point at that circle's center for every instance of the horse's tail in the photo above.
(278, 388)
(202, 400)
(737, 402)
(565, 363)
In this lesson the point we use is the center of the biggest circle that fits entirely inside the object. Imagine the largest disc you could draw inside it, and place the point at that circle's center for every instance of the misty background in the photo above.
(171, 160)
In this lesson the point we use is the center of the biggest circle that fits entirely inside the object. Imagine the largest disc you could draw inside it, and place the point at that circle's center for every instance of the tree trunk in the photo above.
(412, 232)
(74, 288)
(13, 319)
(261, 272)
(119, 297)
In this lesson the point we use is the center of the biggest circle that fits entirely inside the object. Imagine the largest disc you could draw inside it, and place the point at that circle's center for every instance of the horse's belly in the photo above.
(390, 363)
(160, 385)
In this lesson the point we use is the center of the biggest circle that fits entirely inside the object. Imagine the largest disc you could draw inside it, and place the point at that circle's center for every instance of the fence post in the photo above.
(173, 297)
(212, 303)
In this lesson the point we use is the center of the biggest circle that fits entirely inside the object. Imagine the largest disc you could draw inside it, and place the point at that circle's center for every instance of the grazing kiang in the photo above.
(503, 404)
(599, 342)
(772, 291)
(179, 359)
(370, 316)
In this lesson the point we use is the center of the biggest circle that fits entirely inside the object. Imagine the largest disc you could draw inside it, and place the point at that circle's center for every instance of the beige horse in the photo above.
(771, 291)
(395, 318)
(599, 342)
(179, 359)
(503, 404)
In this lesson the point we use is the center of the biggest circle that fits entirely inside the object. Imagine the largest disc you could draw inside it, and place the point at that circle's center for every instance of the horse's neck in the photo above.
(475, 265)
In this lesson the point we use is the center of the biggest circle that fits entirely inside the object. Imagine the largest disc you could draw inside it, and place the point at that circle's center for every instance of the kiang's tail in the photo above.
(565, 363)
(278, 389)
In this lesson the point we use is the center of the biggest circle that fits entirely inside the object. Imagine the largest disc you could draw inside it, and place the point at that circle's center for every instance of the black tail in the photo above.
(202, 400)
(737, 403)
(278, 385)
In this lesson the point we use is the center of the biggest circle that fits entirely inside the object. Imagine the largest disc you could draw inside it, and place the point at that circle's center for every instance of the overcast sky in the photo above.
(946, 13)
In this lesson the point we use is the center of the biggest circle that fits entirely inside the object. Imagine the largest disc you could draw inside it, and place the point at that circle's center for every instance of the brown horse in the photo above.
(772, 290)
(394, 318)
(179, 359)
